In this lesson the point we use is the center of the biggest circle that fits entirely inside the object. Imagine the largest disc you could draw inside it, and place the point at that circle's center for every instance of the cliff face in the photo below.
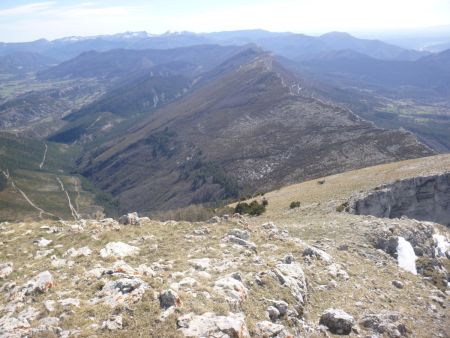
(423, 198)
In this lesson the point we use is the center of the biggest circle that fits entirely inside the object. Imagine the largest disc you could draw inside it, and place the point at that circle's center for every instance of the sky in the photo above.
(25, 20)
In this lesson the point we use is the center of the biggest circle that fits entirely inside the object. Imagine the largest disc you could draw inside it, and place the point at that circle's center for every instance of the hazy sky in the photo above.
(24, 20)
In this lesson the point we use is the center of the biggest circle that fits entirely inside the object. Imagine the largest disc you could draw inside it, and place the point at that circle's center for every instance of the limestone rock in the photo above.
(214, 220)
(281, 306)
(118, 250)
(130, 219)
(273, 313)
(240, 241)
(337, 321)
(40, 283)
(13, 327)
(292, 277)
(43, 253)
(385, 323)
(266, 329)
(212, 325)
(69, 302)
(43, 242)
(84, 251)
(242, 234)
(232, 289)
(126, 291)
(317, 253)
(6, 269)
(113, 323)
(201, 264)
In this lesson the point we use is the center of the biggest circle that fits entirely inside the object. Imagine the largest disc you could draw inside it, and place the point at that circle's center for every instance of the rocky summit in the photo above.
(318, 269)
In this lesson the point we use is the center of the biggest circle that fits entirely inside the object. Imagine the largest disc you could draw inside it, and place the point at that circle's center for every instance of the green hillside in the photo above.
(36, 185)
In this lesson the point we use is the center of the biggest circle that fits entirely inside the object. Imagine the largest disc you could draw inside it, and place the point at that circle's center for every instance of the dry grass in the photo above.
(316, 222)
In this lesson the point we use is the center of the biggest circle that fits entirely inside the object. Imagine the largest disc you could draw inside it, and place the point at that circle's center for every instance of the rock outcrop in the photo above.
(211, 325)
(337, 321)
(424, 198)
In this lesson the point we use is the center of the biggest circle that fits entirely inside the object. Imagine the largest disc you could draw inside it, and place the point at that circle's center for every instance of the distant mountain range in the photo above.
(295, 46)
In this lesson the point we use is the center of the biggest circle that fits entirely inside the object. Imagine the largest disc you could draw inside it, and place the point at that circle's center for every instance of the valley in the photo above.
(269, 184)
(37, 182)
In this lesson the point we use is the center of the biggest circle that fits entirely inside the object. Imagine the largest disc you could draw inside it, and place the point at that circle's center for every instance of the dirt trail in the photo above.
(29, 201)
(74, 212)
(43, 158)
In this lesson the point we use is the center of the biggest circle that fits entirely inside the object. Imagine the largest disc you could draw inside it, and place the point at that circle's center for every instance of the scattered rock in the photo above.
(70, 302)
(385, 323)
(201, 264)
(317, 253)
(43, 242)
(61, 263)
(130, 219)
(397, 284)
(43, 253)
(273, 313)
(126, 291)
(49, 305)
(113, 323)
(84, 251)
(29, 314)
(281, 306)
(40, 283)
(13, 327)
(288, 259)
(169, 298)
(6, 269)
(212, 325)
(214, 220)
(240, 241)
(242, 234)
(118, 250)
(336, 270)
(266, 329)
(337, 321)
(292, 277)
(232, 288)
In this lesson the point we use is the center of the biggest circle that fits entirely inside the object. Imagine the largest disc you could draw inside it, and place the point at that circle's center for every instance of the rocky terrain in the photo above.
(311, 271)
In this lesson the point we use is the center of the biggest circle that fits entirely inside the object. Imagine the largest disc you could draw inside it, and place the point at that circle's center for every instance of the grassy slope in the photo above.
(22, 158)
(369, 288)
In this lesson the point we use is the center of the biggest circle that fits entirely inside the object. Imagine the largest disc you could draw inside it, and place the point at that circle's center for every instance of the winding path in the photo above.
(43, 158)
(30, 202)
(74, 212)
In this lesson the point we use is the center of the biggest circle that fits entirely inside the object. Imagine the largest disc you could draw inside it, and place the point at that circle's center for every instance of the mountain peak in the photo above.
(336, 34)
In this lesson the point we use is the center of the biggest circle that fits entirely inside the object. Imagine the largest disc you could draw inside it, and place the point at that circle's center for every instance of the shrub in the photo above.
(321, 182)
(253, 209)
(294, 204)
(343, 207)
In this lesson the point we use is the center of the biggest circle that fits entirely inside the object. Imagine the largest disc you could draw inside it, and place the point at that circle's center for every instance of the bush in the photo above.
(253, 209)
(343, 207)
(294, 204)
(321, 182)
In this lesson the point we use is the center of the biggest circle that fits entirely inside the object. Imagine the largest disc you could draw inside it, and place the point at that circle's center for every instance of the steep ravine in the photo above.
(422, 198)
